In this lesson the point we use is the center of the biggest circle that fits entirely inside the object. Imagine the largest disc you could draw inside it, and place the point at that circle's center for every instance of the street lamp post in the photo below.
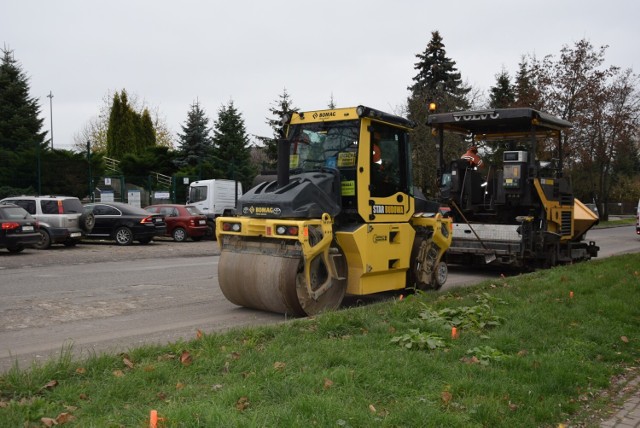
(50, 96)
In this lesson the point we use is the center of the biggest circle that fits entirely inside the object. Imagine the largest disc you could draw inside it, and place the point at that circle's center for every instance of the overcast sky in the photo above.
(170, 53)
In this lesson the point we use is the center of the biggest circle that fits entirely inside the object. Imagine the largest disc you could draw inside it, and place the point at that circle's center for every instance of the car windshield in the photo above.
(325, 144)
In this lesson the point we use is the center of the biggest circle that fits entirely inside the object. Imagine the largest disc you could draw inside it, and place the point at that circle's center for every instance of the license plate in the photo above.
(202, 222)
(27, 228)
(157, 220)
(76, 234)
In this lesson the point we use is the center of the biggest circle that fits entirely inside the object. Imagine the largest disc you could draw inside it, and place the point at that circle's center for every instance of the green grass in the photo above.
(628, 221)
(527, 355)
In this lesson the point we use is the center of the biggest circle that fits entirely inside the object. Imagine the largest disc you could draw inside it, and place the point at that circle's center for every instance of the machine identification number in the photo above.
(388, 209)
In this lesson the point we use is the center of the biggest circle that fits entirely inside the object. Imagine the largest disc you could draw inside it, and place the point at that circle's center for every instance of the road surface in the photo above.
(104, 298)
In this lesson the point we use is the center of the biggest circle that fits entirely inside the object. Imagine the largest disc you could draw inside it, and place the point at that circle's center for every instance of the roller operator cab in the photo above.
(341, 218)
(516, 209)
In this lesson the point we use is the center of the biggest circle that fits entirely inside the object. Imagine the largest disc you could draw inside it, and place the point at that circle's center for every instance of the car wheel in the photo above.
(16, 249)
(144, 241)
(196, 238)
(123, 236)
(45, 240)
(179, 234)
(87, 221)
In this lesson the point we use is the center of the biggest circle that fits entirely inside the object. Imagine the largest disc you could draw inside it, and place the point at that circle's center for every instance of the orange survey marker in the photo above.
(454, 333)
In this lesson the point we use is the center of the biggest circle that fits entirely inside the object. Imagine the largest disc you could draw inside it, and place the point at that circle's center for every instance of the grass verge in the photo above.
(531, 351)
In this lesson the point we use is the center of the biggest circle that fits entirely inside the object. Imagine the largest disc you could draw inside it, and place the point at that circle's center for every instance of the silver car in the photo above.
(62, 219)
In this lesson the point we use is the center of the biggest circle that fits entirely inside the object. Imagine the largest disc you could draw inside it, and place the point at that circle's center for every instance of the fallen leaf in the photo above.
(199, 334)
(625, 339)
(522, 353)
(328, 383)
(225, 369)
(48, 422)
(242, 403)
(149, 368)
(512, 407)
(118, 373)
(83, 396)
(161, 395)
(81, 370)
(235, 355)
(180, 385)
(216, 387)
(63, 418)
(127, 362)
(3, 404)
(185, 358)
(50, 385)
(279, 366)
(372, 409)
(446, 397)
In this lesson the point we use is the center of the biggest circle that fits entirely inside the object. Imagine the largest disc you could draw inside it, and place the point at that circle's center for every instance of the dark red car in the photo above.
(183, 221)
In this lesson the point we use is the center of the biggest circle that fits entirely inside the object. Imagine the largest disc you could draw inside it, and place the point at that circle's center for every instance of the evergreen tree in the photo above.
(526, 91)
(121, 133)
(437, 80)
(20, 126)
(195, 143)
(280, 108)
(147, 133)
(232, 158)
(502, 94)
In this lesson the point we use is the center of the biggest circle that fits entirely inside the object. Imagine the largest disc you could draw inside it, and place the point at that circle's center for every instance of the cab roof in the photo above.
(498, 122)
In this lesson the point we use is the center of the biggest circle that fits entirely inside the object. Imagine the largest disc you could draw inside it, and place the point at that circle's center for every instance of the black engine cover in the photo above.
(308, 195)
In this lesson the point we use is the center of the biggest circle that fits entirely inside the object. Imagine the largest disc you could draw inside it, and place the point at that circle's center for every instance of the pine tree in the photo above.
(232, 157)
(20, 126)
(526, 92)
(280, 108)
(502, 94)
(195, 142)
(437, 80)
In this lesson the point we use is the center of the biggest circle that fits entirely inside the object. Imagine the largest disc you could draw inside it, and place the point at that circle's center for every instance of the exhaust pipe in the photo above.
(283, 162)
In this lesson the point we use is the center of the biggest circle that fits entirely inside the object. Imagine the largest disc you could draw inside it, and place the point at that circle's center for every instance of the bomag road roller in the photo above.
(339, 218)
(517, 209)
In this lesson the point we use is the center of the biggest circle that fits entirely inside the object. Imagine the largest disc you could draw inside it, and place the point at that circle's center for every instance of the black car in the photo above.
(17, 228)
(124, 223)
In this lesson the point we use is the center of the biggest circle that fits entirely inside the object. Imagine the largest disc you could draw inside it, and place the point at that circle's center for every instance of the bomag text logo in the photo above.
(388, 209)
(324, 114)
(262, 210)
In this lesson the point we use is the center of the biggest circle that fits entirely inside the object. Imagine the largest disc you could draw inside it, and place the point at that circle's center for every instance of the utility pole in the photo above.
(90, 177)
(50, 96)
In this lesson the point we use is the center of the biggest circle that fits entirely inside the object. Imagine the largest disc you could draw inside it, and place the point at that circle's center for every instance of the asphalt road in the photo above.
(100, 297)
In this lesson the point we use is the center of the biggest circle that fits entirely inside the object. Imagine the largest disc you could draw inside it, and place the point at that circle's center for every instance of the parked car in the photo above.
(183, 221)
(124, 223)
(18, 229)
(62, 219)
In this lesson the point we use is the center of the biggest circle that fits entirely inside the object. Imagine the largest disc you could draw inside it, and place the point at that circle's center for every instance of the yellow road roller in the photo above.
(340, 217)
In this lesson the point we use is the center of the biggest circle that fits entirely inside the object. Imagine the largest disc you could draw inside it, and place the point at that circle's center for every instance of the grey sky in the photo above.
(170, 53)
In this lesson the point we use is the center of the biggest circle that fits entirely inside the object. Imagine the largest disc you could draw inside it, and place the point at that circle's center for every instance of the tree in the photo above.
(502, 94)
(195, 142)
(279, 109)
(604, 106)
(527, 93)
(96, 128)
(232, 158)
(20, 124)
(437, 80)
